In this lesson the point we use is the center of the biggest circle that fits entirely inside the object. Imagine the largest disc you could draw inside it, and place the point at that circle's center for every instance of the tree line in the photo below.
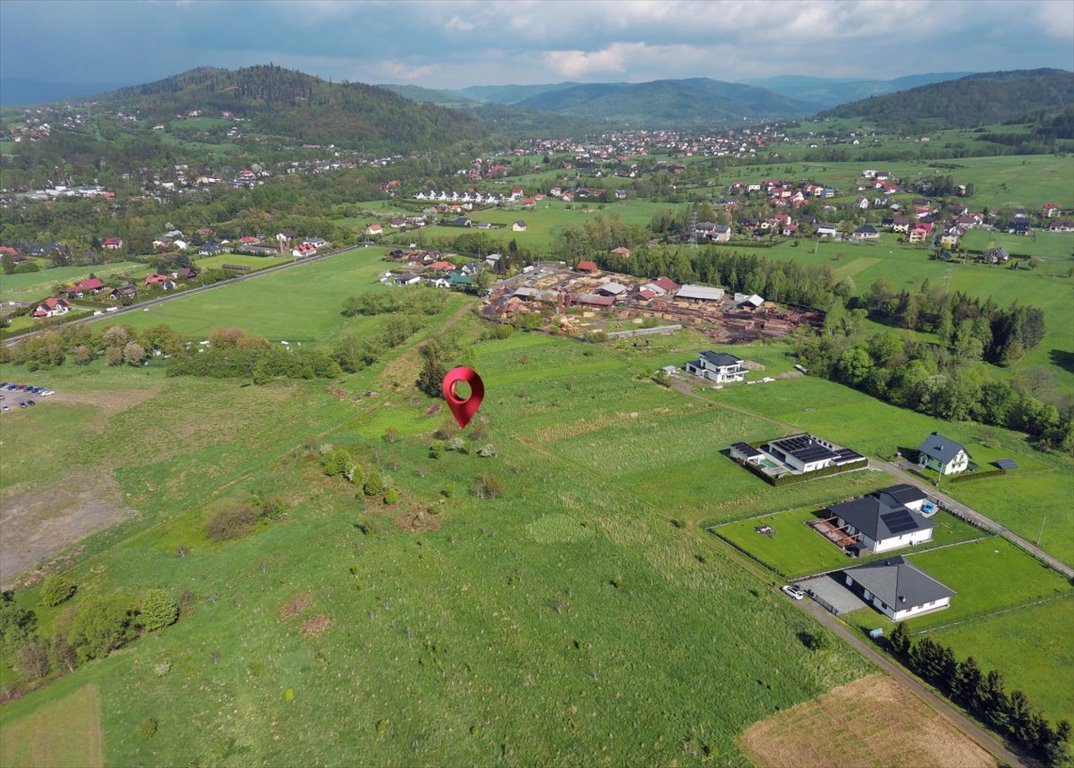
(985, 695)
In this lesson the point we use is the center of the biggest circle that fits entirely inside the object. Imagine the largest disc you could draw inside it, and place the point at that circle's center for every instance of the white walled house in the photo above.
(879, 527)
(943, 454)
(897, 588)
(717, 366)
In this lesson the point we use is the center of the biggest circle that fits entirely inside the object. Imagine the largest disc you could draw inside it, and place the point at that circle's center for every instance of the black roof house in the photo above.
(720, 359)
(941, 448)
(899, 583)
(879, 521)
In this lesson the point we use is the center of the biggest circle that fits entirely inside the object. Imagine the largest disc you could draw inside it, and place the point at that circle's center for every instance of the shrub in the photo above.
(391, 496)
(456, 444)
(374, 484)
(391, 435)
(32, 658)
(147, 729)
(488, 487)
(103, 624)
(487, 451)
(231, 523)
(56, 590)
(159, 610)
(337, 462)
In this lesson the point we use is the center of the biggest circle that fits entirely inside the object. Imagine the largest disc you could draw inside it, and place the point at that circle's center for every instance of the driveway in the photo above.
(833, 593)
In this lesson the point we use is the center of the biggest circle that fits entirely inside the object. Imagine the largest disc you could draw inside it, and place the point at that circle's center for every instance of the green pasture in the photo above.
(1057, 246)
(1041, 663)
(544, 625)
(32, 286)
(796, 550)
(300, 304)
(241, 260)
(1019, 499)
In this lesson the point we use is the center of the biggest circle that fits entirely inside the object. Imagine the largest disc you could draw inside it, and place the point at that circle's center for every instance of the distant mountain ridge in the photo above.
(825, 93)
(289, 103)
(978, 99)
(659, 103)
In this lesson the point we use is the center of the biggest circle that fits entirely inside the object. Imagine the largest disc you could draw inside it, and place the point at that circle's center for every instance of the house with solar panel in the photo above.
(943, 454)
(796, 455)
(717, 366)
(898, 588)
(880, 523)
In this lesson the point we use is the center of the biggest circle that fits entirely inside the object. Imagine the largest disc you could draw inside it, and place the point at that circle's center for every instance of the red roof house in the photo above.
(587, 266)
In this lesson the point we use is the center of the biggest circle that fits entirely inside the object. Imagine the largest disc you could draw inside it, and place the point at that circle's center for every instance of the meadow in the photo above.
(582, 613)
(33, 286)
(1047, 245)
(238, 259)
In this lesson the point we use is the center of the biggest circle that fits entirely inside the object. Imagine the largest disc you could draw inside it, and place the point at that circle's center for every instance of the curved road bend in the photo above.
(183, 294)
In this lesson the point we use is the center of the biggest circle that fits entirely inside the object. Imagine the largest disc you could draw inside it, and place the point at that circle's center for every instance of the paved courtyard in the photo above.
(830, 589)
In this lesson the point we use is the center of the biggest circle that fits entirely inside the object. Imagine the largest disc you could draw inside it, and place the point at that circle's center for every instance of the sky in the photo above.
(456, 44)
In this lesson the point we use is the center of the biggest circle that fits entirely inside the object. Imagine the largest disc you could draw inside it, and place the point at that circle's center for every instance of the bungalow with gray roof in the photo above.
(898, 588)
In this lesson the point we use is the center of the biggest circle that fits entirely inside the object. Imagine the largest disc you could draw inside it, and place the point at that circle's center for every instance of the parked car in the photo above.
(47, 393)
(6, 408)
(794, 591)
(22, 405)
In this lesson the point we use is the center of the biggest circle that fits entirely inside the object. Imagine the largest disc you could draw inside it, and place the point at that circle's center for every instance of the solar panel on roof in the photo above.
(899, 522)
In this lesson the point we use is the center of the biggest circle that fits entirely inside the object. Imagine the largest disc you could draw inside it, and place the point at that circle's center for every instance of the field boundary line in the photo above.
(977, 617)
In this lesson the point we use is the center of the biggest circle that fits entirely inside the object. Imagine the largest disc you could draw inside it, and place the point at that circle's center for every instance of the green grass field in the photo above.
(300, 304)
(253, 262)
(1038, 662)
(32, 286)
(1058, 246)
(35, 740)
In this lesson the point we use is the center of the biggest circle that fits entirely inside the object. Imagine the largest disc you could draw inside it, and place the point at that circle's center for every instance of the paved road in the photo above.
(182, 294)
(941, 705)
(966, 513)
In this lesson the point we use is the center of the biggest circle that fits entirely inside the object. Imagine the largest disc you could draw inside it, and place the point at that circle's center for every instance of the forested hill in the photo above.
(287, 103)
(663, 103)
(982, 99)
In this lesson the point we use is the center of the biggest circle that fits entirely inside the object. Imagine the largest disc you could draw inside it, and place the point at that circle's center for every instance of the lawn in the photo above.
(797, 550)
(241, 260)
(1039, 662)
(1058, 246)
(32, 286)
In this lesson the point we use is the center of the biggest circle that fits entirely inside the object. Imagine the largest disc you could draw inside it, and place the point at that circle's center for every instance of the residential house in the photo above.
(897, 588)
(717, 366)
(406, 278)
(995, 256)
(827, 230)
(621, 251)
(164, 282)
(185, 273)
(1062, 226)
(943, 454)
(879, 526)
(587, 266)
(52, 307)
(124, 292)
(374, 229)
(210, 249)
(113, 243)
(900, 224)
(1051, 210)
(921, 232)
(462, 221)
(808, 453)
(865, 233)
(519, 226)
(91, 284)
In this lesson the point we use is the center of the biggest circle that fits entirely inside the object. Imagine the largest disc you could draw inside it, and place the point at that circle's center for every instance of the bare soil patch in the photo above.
(40, 523)
(316, 625)
(108, 401)
(418, 521)
(870, 722)
(296, 605)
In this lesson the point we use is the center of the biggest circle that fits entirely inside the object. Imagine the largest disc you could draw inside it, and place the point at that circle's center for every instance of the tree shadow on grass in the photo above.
(1063, 359)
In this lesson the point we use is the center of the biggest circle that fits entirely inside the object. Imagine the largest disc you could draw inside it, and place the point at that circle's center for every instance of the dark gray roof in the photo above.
(805, 448)
(1006, 463)
(878, 520)
(941, 448)
(720, 359)
(903, 493)
(899, 583)
(867, 229)
(746, 450)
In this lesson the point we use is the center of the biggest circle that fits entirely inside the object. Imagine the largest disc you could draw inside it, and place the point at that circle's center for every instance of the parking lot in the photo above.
(20, 397)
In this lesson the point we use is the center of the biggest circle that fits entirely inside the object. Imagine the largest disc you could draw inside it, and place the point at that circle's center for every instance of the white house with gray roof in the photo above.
(880, 524)
(717, 366)
(943, 454)
(898, 588)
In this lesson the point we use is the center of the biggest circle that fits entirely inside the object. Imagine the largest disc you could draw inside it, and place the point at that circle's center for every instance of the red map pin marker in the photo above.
(463, 410)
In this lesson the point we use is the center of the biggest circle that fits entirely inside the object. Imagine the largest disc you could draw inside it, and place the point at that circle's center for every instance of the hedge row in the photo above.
(977, 475)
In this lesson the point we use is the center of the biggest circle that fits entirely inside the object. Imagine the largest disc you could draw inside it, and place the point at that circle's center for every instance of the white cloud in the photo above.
(402, 71)
(459, 25)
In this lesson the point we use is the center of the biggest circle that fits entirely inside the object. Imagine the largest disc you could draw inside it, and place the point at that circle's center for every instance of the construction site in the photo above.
(587, 302)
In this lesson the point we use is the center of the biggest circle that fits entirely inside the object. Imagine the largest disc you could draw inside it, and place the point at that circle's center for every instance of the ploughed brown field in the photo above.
(870, 722)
